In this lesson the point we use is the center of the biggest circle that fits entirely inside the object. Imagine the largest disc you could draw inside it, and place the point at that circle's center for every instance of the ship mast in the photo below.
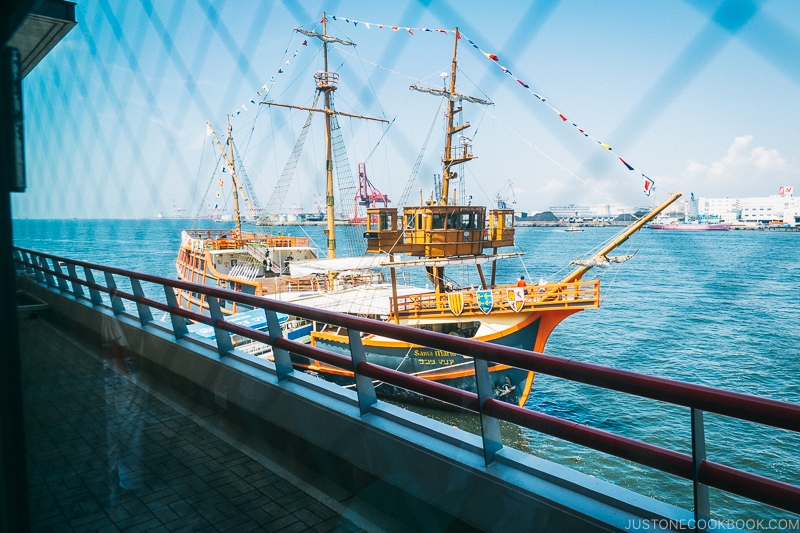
(327, 82)
(463, 154)
(230, 163)
(447, 160)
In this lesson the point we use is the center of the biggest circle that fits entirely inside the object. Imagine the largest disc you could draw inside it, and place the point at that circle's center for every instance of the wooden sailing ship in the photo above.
(433, 235)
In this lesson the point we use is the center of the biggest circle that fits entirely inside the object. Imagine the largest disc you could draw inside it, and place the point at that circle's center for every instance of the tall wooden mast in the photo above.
(237, 185)
(236, 215)
(327, 82)
(462, 154)
(448, 141)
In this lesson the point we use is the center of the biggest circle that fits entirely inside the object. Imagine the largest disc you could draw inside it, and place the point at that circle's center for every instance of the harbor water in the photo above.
(714, 308)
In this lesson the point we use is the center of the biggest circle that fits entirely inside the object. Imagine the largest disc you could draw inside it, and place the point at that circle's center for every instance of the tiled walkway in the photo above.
(105, 454)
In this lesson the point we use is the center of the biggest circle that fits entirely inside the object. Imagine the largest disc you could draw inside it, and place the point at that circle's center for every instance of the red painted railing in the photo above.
(47, 269)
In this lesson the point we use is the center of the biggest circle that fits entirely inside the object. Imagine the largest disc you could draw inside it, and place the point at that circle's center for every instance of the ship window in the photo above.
(410, 222)
(385, 222)
(466, 221)
(452, 221)
(438, 221)
(373, 221)
(509, 220)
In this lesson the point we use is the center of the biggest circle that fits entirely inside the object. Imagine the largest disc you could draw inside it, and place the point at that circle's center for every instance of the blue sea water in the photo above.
(715, 308)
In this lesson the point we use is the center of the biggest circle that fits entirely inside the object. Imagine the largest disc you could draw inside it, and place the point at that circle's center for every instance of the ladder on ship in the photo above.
(262, 254)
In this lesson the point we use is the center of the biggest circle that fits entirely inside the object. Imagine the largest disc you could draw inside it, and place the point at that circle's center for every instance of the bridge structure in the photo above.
(349, 434)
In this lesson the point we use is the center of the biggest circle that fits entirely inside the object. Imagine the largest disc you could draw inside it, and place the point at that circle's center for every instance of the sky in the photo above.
(699, 96)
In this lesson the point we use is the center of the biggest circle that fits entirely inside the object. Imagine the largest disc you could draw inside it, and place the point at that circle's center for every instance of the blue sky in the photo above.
(699, 96)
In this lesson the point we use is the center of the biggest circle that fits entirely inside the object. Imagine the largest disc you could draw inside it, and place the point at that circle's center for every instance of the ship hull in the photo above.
(524, 329)
(509, 384)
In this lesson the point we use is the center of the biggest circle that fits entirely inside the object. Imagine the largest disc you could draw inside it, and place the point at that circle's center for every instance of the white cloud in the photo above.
(745, 170)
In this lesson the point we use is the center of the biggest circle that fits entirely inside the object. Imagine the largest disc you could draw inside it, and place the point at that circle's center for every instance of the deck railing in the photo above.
(546, 297)
(49, 270)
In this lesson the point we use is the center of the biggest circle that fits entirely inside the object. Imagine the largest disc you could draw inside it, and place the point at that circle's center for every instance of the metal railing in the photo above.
(47, 269)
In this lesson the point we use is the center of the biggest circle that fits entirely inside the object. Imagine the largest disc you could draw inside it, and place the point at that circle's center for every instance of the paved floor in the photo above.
(111, 452)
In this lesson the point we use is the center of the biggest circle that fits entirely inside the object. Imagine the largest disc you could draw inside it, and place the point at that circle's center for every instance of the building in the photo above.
(781, 208)
(595, 213)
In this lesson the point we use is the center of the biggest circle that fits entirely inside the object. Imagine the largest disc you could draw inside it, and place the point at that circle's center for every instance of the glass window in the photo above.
(438, 221)
(452, 221)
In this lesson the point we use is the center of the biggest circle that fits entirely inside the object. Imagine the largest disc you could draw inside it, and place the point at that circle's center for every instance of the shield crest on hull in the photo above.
(455, 301)
(516, 298)
(485, 300)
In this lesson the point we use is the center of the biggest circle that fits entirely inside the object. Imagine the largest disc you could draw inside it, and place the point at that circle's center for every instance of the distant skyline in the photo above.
(698, 96)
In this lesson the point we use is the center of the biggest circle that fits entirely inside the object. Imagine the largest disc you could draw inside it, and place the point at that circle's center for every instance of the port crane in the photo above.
(501, 199)
(367, 195)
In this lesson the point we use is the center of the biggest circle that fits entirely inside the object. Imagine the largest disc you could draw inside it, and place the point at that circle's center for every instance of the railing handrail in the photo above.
(753, 408)
(582, 293)
(698, 397)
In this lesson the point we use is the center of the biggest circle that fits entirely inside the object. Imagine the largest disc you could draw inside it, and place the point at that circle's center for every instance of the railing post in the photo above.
(18, 260)
(224, 344)
(490, 426)
(116, 302)
(364, 387)
(145, 315)
(28, 263)
(46, 271)
(283, 361)
(36, 266)
(178, 323)
(94, 294)
(62, 283)
(702, 507)
(77, 289)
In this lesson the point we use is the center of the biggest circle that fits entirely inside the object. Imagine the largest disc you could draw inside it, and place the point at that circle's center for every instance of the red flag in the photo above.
(648, 185)
(626, 164)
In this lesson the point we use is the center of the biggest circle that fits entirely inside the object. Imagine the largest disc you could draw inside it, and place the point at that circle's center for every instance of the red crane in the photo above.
(367, 195)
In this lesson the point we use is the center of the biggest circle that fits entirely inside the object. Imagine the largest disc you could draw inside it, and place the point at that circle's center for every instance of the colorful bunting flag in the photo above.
(649, 185)
(494, 58)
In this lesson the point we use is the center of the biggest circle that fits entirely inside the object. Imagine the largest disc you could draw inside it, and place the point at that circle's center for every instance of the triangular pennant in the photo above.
(626, 164)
